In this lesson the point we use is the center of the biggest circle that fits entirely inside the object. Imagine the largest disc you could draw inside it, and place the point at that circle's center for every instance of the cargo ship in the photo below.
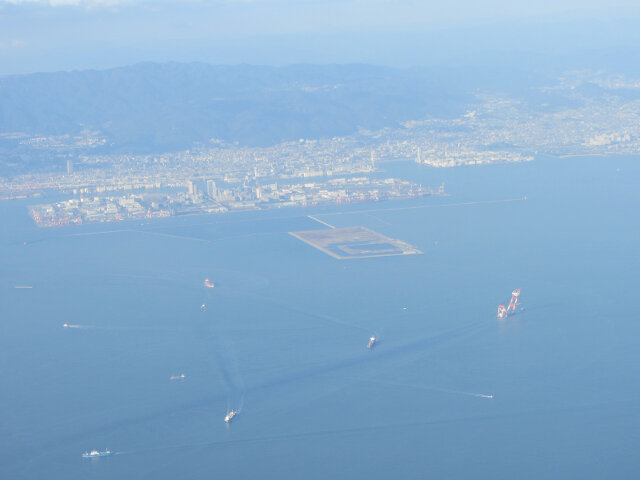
(372, 342)
(208, 283)
(96, 453)
(230, 416)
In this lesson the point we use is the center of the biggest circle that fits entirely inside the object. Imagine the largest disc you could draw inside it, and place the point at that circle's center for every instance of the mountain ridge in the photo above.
(159, 106)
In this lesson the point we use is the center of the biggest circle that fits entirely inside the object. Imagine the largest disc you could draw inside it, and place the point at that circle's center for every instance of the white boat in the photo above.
(230, 416)
(96, 453)
(372, 342)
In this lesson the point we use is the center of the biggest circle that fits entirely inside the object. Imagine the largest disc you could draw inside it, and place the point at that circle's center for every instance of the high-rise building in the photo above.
(212, 189)
(192, 188)
(69, 167)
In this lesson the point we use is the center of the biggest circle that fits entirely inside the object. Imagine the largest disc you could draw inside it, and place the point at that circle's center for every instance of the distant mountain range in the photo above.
(154, 107)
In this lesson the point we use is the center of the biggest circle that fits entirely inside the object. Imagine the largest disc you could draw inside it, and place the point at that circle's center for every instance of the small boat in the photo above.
(372, 342)
(96, 453)
(230, 416)
(208, 283)
(177, 377)
(65, 325)
(203, 307)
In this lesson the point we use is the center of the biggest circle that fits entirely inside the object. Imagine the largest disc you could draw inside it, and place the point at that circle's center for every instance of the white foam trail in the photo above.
(459, 204)
(85, 327)
(435, 389)
(455, 392)
(122, 328)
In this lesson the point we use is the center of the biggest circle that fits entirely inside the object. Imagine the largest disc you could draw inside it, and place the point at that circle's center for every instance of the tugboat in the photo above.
(372, 342)
(208, 283)
(96, 453)
(230, 416)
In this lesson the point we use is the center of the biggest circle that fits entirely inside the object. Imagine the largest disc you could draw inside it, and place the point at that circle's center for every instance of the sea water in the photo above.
(448, 391)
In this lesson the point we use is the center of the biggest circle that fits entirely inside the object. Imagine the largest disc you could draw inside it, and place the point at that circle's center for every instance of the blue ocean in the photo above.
(448, 391)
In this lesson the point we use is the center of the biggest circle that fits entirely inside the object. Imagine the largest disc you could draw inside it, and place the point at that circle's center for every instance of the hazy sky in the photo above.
(40, 35)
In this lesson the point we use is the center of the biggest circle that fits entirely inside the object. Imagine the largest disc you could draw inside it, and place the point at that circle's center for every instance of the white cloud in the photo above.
(110, 3)
(11, 44)
(455, 8)
(151, 3)
(73, 3)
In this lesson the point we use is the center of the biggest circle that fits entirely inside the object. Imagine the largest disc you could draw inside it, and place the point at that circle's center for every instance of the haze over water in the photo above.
(448, 392)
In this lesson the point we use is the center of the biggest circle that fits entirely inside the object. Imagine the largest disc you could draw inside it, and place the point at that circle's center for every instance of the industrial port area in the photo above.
(206, 197)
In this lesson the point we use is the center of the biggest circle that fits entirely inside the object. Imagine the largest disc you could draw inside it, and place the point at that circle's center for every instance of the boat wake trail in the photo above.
(227, 364)
(580, 409)
(99, 327)
(235, 389)
(430, 388)
(314, 315)
(422, 344)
